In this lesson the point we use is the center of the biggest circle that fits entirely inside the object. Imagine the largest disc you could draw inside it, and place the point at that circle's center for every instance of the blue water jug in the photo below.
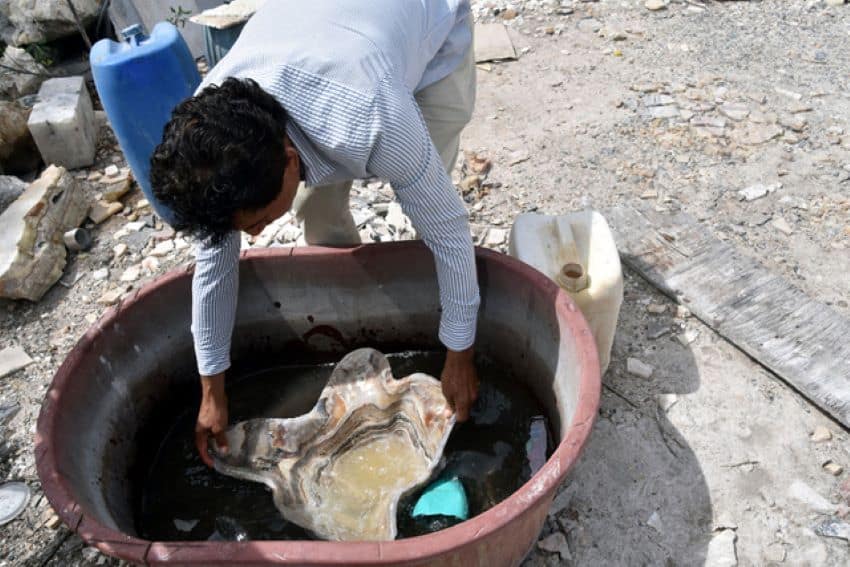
(139, 82)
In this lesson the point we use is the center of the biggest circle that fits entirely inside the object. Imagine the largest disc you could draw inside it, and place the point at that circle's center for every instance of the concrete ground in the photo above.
(711, 460)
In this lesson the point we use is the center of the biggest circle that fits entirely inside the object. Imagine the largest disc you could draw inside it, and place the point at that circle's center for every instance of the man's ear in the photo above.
(292, 157)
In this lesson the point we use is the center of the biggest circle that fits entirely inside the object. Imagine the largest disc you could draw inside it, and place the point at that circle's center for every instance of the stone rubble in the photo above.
(775, 553)
(654, 522)
(18, 152)
(12, 359)
(667, 401)
(111, 296)
(10, 189)
(131, 274)
(656, 308)
(26, 22)
(721, 550)
(821, 434)
(102, 210)
(101, 274)
(32, 251)
(757, 191)
(17, 84)
(804, 493)
(638, 368)
(833, 468)
(783, 226)
(655, 5)
(834, 528)
(556, 543)
(689, 336)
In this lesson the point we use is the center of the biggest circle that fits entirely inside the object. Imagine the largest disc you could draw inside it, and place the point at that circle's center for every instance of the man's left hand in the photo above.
(460, 382)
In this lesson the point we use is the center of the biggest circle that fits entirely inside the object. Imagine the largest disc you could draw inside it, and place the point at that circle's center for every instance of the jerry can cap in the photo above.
(133, 34)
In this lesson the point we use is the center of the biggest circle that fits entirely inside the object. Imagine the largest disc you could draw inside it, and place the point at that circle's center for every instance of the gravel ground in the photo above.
(608, 103)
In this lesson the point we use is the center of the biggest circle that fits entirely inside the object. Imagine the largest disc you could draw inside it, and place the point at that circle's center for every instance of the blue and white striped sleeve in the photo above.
(215, 287)
(404, 154)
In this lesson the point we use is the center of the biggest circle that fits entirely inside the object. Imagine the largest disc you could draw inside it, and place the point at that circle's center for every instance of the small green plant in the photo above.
(42, 53)
(179, 16)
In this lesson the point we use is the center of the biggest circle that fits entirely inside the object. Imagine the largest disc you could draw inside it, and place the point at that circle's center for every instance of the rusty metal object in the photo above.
(384, 296)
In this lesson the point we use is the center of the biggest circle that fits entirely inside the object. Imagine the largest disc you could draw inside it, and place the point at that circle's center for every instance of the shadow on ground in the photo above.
(638, 495)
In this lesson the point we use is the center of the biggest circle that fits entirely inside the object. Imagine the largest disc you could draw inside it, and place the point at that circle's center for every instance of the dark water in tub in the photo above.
(181, 499)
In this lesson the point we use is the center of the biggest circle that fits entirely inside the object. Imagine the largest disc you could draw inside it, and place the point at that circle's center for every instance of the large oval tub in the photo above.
(119, 376)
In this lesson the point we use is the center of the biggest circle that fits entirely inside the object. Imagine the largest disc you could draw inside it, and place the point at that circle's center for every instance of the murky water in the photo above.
(182, 499)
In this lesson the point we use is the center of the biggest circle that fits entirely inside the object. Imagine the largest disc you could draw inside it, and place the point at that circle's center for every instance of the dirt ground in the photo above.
(711, 460)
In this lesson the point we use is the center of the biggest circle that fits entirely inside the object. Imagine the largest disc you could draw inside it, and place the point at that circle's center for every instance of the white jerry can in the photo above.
(577, 251)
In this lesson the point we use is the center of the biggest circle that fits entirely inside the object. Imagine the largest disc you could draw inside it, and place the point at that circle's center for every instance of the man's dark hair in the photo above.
(221, 152)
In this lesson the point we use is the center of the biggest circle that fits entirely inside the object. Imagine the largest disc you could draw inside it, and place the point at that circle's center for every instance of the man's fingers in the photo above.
(201, 441)
(221, 443)
(462, 407)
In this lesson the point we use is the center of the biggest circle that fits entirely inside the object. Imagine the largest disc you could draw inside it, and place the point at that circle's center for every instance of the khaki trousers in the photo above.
(446, 107)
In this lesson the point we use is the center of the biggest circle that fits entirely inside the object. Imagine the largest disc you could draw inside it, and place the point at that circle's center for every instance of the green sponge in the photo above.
(445, 497)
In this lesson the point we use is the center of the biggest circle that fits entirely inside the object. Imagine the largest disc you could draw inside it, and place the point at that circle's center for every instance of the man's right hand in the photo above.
(212, 417)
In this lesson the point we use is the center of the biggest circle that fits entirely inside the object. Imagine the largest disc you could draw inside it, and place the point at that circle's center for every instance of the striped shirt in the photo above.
(346, 72)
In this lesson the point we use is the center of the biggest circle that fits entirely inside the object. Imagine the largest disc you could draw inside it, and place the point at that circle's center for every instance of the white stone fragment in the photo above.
(13, 358)
(655, 5)
(362, 216)
(782, 226)
(560, 502)
(163, 248)
(667, 401)
(833, 468)
(100, 275)
(734, 110)
(638, 368)
(397, 218)
(32, 251)
(757, 191)
(10, 189)
(62, 123)
(801, 491)
(688, 337)
(656, 308)
(775, 552)
(654, 522)
(658, 100)
(135, 226)
(721, 550)
(556, 543)
(111, 297)
(131, 274)
(496, 237)
(185, 525)
(14, 85)
(289, 233)
(150, 264)
(821, 434)
(789, 93)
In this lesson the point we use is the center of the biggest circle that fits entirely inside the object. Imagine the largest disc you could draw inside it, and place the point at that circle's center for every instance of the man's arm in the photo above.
(404, 154)
(215, 286)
